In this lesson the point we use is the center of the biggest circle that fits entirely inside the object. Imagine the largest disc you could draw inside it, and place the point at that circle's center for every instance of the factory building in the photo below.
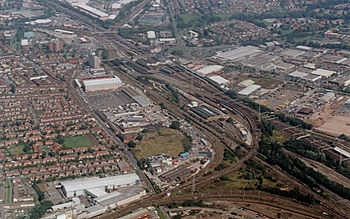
(93, 11)
(97, 186)
(208, 113)
(102, 84)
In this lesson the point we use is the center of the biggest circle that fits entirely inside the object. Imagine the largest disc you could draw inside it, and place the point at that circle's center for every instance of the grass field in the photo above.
(8, 191)
(279, 137)
(240, 180)
(160, 141)
(77, 141)
(38, 112)
(17, 150)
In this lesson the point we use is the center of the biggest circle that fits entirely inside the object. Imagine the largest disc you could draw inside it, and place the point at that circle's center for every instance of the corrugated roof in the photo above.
(219, 79)
(95, 182)
(93, 10)
(323, 72)
(210, 69)
(102, 81)
(250, 89)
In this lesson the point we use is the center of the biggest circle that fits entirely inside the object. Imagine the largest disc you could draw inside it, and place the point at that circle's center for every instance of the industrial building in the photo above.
(98, 204)
(249, 90)
(210, 69)
(220, 80)
(323, 73)
(208, 113)
(102, 84)
(246, 83)
(96, 186)
(239, 53)
(93, 11)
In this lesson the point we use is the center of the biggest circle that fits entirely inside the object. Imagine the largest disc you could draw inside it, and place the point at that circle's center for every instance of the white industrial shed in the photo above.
(220, 80)
(250, 89)
(102, 84)
(323, 73)
(93, 11)
(210, 69)
(80, 186)
(239, 53)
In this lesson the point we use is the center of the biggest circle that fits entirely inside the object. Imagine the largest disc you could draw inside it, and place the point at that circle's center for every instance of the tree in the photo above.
(27, 148)
(131, 144)
(267, 128)
(175, 125)
(60, 139)
(139, 138)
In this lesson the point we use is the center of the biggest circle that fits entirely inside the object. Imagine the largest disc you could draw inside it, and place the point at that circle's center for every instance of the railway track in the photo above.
(222, 139)
(261, 198)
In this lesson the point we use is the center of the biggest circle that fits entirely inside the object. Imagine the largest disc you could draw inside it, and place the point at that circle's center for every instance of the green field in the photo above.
(76, 142)
(38, 112)
(8, 191)
(240, 180)
(17, 150)
(279, 137)
(161, 141)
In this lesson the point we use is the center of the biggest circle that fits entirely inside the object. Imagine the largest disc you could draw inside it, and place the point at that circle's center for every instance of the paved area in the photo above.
(108, 99)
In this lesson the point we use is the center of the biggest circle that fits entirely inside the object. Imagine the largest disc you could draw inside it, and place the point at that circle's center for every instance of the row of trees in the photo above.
(40, 209)
(307, 150)
(296, 168)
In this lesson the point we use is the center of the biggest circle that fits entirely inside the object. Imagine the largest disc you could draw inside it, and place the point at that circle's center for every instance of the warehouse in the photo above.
(323, 73)
(246, 83)
(249, 90)
(208, 113)
(239, 53)
(96, 186)
(102, 84)
(93, 11)
(220, 80)
(210, 69)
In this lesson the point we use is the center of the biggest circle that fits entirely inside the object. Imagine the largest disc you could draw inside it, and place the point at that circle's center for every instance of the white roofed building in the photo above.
(93, 11)
(324, 73)
(239, 53)
(102, 84)
(220, 80)
(151, 35)
(249, 90)
(97, 186)
(210, 69)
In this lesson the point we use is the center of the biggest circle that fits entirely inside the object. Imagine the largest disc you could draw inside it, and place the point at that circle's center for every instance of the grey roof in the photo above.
(95, 182)
(102, 81)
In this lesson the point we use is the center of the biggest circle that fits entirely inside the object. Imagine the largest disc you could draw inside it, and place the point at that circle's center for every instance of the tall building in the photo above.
(94, 60)
(56, 45)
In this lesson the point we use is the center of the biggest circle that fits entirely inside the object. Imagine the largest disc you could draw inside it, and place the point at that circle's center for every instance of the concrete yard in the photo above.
(108, 99)
(330, 121)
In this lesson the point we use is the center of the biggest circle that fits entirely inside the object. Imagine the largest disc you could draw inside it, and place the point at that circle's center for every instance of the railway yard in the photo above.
(149, 133)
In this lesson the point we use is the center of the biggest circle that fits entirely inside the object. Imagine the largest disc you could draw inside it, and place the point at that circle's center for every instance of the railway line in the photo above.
(109, 37)
(318, 140)
(261, 198)
(218, 150)
(332, 206)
